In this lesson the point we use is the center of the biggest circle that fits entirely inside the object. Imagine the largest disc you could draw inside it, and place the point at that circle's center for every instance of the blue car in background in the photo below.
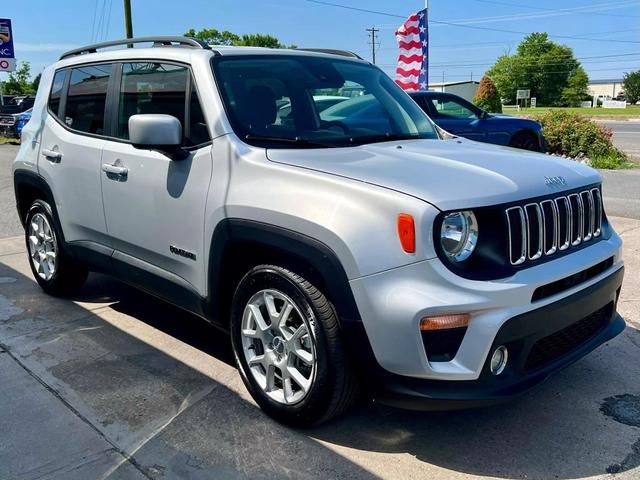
(21, 120)
(462, 118)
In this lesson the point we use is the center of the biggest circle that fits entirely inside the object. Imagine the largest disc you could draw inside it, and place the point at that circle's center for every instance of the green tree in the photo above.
(576, 89)
(214, 37)
(225, 37)
(36, 82)
(19, 82)
(487, 96)
(631, 82)
(540, 65)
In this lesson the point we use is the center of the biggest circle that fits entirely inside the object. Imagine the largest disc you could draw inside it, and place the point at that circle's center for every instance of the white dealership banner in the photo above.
(614, 104)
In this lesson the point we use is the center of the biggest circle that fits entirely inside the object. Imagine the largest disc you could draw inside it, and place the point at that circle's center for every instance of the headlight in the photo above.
(459, 235)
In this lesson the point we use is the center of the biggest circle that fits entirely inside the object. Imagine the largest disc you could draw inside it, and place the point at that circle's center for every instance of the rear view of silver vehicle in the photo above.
(345, 246)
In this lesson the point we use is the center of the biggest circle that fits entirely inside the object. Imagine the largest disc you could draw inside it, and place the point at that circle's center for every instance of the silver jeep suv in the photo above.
(348, 251)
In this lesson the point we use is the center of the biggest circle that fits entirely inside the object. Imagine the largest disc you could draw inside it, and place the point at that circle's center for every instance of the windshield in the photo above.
(292, 101)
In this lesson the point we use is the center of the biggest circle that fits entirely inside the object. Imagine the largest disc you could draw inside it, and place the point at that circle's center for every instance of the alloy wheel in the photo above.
(279, 346)
(42, 246)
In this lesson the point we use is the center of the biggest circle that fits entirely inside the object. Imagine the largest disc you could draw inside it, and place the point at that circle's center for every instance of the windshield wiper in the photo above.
(385, 137)
(303, 142)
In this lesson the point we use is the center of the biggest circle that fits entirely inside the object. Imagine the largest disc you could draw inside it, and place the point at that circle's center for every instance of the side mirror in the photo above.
(159, 132)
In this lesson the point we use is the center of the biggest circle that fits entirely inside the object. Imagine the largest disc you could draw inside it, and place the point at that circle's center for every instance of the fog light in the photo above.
(499, 360)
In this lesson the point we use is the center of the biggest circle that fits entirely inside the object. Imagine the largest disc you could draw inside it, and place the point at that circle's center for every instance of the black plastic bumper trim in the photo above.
(519, 334)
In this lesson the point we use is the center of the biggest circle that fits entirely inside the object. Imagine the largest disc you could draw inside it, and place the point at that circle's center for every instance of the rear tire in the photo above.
(288, 331)
(56, 272)
(525, 141)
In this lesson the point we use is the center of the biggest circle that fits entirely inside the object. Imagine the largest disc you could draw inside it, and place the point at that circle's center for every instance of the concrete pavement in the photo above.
(116, 384)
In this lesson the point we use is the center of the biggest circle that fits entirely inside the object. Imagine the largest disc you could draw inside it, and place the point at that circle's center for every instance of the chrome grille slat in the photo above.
(522, 233)
(587, 201)
(556, 230)
(597, 200)
(564, 243)
(579, 222)
(539, 229)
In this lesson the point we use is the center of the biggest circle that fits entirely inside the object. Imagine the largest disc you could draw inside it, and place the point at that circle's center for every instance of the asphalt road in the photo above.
(626, 136)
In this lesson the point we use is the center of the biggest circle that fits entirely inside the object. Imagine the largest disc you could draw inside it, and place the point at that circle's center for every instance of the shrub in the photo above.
(574, 135)
(487, 96)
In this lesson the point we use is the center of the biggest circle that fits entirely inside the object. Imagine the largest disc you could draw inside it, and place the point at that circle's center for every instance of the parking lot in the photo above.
(116, 384)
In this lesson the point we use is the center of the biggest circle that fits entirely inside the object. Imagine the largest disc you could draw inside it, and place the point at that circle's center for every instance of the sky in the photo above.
(605, 35)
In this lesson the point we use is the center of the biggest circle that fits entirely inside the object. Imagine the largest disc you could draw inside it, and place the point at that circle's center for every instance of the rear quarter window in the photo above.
(55, 95)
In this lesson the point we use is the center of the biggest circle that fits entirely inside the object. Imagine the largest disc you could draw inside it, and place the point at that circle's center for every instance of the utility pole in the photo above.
(372, 32)
(128, 25)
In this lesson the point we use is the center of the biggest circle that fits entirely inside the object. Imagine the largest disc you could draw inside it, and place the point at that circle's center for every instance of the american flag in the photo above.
(413, 62)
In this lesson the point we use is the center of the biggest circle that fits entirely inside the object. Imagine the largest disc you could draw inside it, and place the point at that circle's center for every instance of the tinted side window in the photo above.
(56, 92)
(86, 98)
(151, 88)
(446, 107)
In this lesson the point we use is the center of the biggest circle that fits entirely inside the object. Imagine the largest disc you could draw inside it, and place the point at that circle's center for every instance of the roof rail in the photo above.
(157, 41)
(333, 51)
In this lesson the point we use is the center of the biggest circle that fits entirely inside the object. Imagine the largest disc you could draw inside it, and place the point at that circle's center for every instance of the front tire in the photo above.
(288, 349)
(55, 271)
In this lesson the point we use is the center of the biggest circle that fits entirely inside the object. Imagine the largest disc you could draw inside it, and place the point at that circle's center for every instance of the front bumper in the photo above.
(540, 342)
(392, 303)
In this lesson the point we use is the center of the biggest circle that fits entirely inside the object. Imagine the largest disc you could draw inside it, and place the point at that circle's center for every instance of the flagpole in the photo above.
(426, 7)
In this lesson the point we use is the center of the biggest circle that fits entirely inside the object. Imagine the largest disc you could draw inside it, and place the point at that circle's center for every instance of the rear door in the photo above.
(155, 212)
(455, 116)
(71, 149)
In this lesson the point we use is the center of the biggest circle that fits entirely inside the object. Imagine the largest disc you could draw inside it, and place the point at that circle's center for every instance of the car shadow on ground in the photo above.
(549, 432)
(557, 431)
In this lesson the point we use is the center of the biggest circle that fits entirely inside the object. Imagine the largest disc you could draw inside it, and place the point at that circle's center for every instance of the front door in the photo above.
(71, 150)
(155, 211)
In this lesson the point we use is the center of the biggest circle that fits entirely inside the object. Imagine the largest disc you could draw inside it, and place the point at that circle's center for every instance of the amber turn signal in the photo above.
(407, 232)
(443, 322)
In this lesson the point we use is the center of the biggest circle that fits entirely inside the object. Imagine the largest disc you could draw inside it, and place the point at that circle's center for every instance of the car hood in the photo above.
(449, 174)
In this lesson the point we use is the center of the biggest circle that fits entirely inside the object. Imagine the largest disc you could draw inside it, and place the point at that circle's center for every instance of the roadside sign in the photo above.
(7, 54)
(523, 94)
(586, 104)
(614, 104)
(534, 100)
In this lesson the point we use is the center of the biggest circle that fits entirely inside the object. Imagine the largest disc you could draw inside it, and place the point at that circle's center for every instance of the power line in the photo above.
(496, 2)
(474, 27)
(590, 59)
(107, 23)
(93, 25)
(559, 72)
(372, 33)
(547, 13)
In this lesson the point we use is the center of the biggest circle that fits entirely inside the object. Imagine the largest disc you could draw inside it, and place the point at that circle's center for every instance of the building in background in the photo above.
(605, 89)
(466, 89)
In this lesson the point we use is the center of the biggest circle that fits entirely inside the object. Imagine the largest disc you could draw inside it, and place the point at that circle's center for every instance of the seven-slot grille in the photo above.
(553, 225)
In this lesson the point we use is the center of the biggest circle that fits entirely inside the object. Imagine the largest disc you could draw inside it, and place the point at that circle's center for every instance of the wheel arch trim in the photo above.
(25, 178)
(297, 246)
